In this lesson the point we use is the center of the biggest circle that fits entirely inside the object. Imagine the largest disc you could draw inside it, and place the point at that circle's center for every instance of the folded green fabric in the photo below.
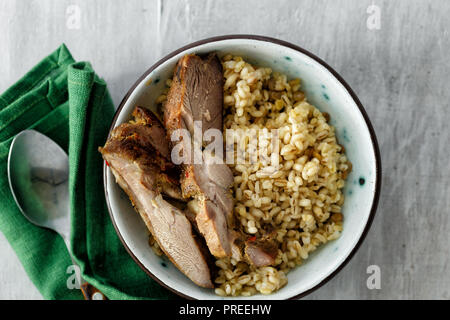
(69, 103)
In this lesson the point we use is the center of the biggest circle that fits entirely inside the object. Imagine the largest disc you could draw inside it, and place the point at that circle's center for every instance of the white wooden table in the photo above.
(397, 64)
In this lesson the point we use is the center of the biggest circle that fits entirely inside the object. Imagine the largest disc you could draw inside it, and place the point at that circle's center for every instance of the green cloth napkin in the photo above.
(69, 103)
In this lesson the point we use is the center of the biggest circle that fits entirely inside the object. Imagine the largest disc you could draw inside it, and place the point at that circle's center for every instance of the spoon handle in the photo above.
(91, 293)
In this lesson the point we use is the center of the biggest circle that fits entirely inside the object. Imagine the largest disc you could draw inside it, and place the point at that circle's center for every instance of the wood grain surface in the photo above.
(399, 68)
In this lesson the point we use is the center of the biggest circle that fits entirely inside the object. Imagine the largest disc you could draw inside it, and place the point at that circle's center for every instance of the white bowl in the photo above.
(326, 90)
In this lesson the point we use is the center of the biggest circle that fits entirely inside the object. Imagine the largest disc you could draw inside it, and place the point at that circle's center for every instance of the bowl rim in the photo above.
(378, 175)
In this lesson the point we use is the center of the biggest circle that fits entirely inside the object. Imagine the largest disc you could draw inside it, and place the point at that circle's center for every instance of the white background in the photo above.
(400, 73)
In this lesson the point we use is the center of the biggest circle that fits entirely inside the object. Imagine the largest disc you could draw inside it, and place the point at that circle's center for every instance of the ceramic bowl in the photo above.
(326, 90)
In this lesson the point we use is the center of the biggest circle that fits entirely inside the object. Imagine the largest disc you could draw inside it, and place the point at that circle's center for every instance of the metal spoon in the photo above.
(38, 174)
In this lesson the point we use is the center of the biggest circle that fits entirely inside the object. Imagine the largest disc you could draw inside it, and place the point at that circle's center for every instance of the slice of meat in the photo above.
(259, 252)
(212, 224)
(144, 118)
(196, 94)
(195, 101)
(131, 157)
(148, 130)
(144, 137)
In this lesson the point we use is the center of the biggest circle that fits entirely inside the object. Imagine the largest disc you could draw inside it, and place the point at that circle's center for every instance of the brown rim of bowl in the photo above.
(335, 74)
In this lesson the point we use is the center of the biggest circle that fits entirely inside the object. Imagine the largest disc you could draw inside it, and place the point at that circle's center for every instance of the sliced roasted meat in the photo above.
(195, 101)
(259, 252)
(145, 138)
(196, 94)
(145, 118)
(139, 167)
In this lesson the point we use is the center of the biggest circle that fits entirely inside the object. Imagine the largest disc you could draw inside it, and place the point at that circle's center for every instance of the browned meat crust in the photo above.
(196, 97)
(141, 168)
